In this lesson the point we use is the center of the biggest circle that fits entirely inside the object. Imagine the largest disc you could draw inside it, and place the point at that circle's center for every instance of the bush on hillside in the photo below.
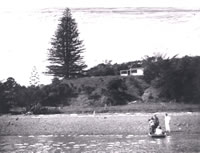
(135, 87)
(116, 92)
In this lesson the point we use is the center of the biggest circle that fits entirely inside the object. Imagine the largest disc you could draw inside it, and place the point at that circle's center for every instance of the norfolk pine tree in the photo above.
(65, 55)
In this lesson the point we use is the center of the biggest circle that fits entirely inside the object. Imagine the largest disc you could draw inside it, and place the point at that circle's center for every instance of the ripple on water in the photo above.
(83, 145)
(119, 136)
(67, 147)
(88, 147)
(152, 141)
(81, 135)
(71, 142)
(18, 144)
(129, 136)
(141, 141)
(37, 144)
(56, 145)
(64, 145)
(134, 143)
(21, 150)
(91, 143)
(46, 148)
(111, 143)
(22, 147)
(50, 141)
(76, 146)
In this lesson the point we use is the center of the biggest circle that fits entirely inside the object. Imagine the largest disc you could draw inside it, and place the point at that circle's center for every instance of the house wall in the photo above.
(124, 72)
(138, 73)
(133, 72)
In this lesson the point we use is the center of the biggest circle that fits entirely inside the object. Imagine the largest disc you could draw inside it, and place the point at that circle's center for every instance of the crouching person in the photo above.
(151, 125)
(159, 131)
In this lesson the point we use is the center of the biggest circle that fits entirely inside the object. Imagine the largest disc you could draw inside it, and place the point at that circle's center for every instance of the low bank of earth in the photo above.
(94, 124)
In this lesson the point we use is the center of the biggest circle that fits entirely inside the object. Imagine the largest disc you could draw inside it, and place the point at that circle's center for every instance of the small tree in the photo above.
(65, 55)
(34, 79)
(4, 106)
(8, 93)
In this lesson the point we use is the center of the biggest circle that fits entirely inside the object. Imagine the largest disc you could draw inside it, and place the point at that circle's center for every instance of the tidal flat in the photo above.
(94, 124)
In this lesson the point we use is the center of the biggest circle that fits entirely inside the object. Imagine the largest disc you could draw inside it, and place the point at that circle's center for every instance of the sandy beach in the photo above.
(93, 124)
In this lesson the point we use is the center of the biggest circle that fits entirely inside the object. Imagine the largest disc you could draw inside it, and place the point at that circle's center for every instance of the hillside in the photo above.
(106, 90)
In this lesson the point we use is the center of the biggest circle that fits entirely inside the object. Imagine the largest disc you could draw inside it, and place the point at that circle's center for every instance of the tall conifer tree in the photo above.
(65, 55)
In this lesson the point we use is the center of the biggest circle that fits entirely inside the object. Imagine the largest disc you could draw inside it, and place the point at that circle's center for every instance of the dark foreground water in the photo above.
(175, 143)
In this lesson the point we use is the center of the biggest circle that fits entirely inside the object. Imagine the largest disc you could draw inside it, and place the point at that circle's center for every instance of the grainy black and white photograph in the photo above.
(99, 76)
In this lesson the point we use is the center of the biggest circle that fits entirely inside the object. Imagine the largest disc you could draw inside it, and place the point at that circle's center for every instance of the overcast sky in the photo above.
(27, 27)
(27, 4)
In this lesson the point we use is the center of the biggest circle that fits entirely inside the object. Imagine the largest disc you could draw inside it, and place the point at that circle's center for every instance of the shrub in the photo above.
(116, 92)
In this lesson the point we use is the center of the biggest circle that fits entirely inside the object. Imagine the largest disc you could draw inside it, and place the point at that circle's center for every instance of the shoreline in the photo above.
(94, 124)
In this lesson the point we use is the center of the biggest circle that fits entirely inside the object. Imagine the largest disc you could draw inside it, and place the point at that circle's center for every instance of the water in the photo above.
(177, 142)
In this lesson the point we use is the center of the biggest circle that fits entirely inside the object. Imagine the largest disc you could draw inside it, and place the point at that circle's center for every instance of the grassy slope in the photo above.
(135, 88)
(96, 82)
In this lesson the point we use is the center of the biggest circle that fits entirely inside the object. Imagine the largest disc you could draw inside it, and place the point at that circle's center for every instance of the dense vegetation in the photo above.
(87, 91)
(175, 79)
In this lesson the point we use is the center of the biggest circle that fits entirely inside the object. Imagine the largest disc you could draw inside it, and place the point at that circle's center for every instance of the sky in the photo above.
(27, 27)
(27, 4)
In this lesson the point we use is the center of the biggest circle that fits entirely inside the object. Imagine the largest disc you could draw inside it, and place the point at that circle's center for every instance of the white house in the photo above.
(124, 72)
(133, 72)
(137, 71)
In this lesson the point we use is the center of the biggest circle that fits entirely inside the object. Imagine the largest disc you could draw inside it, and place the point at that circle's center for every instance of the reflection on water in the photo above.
(99, 143)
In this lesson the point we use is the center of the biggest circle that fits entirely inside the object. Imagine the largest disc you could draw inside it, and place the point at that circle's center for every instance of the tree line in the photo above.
(105, 91)
(178, 80)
